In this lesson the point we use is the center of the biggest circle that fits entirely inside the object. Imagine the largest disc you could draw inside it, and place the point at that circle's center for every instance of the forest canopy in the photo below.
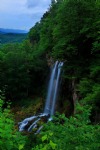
(70, 32)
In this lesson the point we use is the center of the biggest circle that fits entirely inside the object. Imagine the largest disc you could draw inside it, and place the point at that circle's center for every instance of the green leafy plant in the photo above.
(73, 133)
(10, 139)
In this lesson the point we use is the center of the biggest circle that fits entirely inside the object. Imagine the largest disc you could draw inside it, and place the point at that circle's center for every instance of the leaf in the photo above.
(50, 133)
(53, 145)
(21, 146)
(44, 148)
(44, 138)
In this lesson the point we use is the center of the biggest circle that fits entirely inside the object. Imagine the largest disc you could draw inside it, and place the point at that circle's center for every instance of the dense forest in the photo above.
(70, 32)
(12, 36)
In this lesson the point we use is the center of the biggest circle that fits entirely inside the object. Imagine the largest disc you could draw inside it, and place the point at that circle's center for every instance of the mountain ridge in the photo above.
(17, 31)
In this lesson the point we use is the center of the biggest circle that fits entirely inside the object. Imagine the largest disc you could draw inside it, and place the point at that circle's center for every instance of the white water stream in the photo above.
(52, 94)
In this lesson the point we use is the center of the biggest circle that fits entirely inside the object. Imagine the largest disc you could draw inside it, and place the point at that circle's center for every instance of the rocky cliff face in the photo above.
(50, 60)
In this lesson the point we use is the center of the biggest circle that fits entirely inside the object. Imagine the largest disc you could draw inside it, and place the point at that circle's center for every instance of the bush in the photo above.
(10, 139)
(75, 133)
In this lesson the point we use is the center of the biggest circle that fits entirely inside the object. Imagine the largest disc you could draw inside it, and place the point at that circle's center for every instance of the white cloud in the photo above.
(14, 6)
(21, 13)
(39, 3)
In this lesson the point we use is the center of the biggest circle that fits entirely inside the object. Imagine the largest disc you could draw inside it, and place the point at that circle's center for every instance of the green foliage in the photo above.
(34, 34)
(20, 69)
(68, 31)
(61, 134)
(14, 70)
(73, 133)
(92, 98)
(10, 139)
(85, 86)
(12, 38)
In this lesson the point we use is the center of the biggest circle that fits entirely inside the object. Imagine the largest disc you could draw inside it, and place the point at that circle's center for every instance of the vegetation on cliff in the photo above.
(69, 31)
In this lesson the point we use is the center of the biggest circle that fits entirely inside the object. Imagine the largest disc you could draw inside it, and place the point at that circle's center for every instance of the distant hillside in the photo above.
(12, 31)
(12, 38)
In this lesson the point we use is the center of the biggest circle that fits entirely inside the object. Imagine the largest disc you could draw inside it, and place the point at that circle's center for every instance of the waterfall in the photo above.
(47, 109)
(52, 95)
(53, 88)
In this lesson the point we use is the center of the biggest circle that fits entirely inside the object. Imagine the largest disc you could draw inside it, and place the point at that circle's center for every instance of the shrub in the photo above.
(75, 133)
(10, 139)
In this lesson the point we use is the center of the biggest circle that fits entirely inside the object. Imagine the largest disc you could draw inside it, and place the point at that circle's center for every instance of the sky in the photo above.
(21, 14)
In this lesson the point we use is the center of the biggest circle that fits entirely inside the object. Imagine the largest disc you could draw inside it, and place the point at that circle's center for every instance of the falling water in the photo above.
(55, 92)
(47, 109)
(53, 88)
(50, 100)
